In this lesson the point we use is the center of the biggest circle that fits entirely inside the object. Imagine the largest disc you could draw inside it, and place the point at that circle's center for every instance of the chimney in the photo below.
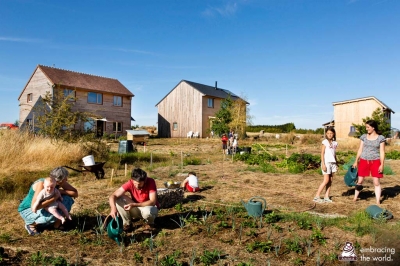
(216, 85)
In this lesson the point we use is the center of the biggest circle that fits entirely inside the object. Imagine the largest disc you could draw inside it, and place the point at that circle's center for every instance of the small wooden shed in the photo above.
(138, 136)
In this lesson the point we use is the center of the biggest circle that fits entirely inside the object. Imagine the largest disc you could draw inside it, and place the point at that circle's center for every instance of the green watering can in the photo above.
(350, 178)
(115, 228)
(377, 212)
(255, 206)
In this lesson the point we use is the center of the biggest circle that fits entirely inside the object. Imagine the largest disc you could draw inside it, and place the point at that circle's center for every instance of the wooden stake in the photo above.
(112, 174)
(181, 161)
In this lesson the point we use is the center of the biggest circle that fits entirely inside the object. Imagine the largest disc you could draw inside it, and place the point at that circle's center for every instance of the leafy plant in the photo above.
(318, 236)
(138, 257)
(210, 257)
(261, 246)
(294, 245)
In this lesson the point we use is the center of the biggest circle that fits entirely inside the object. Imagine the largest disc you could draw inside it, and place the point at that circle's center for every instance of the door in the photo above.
(99, 128)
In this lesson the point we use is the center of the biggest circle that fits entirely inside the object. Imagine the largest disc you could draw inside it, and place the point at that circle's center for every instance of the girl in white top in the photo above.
(328, 164)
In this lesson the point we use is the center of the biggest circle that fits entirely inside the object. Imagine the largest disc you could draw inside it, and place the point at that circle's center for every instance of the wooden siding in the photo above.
(207, 112)
(106, 110)
(39, 84)
(350, 113)
(183, 106)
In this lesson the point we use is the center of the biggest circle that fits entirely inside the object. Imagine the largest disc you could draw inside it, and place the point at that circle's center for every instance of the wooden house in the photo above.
(107, 99)
(349, 112)
(189, 108)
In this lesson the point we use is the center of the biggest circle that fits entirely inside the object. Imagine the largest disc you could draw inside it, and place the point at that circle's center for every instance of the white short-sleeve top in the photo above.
(330, 151)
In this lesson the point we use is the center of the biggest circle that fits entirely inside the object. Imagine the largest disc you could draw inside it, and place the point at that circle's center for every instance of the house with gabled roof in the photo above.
(349, 112)
(190, 107)
(106, 98)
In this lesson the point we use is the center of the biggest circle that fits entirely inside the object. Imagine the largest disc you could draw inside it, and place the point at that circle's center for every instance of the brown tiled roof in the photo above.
(84, 81)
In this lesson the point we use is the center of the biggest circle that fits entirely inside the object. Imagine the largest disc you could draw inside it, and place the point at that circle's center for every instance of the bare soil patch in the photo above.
(225, 183)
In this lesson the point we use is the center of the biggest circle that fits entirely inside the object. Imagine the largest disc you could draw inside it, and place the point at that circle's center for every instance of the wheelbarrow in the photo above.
(97, 169)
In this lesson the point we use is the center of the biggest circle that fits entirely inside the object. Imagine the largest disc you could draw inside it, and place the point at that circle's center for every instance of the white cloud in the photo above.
(133, 51)
(226, 11)
(14, 39)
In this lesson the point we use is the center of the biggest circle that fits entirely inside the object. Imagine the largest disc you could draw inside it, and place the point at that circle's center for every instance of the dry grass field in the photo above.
(210, 227)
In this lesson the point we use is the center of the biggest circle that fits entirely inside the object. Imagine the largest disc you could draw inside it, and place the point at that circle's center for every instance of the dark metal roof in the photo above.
(207, 90)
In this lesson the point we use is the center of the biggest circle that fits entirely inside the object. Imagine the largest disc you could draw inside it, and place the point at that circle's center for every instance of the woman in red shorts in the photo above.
(370, 159)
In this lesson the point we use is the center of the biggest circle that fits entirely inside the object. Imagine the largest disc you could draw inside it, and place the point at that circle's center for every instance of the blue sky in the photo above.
(290, 58)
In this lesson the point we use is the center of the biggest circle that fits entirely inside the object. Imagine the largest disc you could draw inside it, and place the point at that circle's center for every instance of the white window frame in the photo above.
(99, 98)
(117, 101)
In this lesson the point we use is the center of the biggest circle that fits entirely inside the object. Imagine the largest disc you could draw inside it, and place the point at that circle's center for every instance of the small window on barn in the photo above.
(175, 126)
(117, 126)
(94, 97)
(117, 101)
(70, 94)
(29, 97)
(210, 103)
(352, 129)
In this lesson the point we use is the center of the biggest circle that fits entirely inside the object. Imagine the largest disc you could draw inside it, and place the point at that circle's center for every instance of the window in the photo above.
(69, 93)
(95, 98)
(89, 125)
(117, 101)
(29, 98)
(352, 129)
(175, 126)
(210, 103)
(117, 126)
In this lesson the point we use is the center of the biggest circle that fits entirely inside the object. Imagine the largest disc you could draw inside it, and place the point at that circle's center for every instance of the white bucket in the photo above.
(88, 160)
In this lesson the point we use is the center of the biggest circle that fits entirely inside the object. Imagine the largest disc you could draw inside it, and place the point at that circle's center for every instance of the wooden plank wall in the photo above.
(184, 106)
(106, 110)
(39, 84)
(353, 112)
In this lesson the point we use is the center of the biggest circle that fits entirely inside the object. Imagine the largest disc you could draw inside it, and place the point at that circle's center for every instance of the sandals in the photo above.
(31, 229)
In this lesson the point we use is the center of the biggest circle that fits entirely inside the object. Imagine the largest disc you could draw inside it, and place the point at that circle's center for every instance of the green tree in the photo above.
(379, 116)
(240, 116)
(56, 119)
(223, 117)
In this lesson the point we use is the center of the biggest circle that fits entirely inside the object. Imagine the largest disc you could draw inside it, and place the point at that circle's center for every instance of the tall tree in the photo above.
(56, 119)
(223, 117)
(240, 116)
(379, 116)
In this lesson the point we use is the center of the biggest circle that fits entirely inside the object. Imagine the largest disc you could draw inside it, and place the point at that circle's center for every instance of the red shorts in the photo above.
(369, 168)
(191, 189)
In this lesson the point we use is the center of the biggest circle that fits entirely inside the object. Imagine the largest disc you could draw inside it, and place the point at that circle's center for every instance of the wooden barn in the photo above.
(189, 108)
(349, 112)
(106, 98)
